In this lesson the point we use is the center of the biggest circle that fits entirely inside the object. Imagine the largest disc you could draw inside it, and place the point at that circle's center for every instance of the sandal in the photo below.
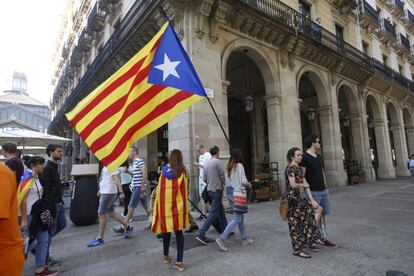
(302, 254)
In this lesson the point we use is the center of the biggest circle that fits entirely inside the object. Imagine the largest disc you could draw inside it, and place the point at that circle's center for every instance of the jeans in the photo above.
(412, 171)
(238, 219)
(322, 198)
(166, 238)
(58, 225)
(40, 246)
(127, 199)
(217, 211)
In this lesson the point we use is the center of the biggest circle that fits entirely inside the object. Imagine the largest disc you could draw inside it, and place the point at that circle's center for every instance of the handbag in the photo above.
(283, 209)
(205, 196)
(239, 201)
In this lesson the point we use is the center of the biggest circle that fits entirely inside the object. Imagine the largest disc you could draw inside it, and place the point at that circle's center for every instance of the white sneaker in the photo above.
(221, 244)
(246, 242)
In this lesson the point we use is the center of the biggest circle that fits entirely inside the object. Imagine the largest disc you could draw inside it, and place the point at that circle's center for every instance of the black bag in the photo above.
(205, 196)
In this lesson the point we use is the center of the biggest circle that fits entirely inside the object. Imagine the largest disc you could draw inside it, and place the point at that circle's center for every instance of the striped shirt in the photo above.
(137, 172)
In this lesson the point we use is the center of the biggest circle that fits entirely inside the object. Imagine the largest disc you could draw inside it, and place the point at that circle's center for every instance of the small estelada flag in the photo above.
(147, 92)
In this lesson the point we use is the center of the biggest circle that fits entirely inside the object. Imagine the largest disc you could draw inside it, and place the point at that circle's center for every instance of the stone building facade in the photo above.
(340, 69)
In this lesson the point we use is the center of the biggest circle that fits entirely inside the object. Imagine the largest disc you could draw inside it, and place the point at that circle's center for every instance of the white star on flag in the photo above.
(168, 67)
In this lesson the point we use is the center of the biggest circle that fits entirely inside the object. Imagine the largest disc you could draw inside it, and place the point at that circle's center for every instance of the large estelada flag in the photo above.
(147, 92)
(170, 212)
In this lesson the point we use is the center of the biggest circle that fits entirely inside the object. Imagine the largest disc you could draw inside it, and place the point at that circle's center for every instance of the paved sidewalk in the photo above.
(372, 222)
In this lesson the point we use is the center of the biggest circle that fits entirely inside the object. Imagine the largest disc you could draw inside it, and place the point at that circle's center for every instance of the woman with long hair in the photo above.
(171, 207)
(236, 179)
(30, 192)
(303, 227)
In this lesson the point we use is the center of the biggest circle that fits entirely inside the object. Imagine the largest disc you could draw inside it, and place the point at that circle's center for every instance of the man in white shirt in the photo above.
(410, 164)
(109, 186)
(203, 157)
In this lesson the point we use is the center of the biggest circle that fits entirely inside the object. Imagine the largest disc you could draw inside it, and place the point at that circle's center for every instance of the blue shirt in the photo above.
(126, 178)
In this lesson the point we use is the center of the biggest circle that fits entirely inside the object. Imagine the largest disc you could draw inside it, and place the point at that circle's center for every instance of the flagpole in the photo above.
(218, 120)
(162, 11)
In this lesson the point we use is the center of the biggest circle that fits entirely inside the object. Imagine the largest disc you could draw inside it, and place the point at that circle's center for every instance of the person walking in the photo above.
(11, 242)
(126, 179)
(13, 161)
(214, 177)
(37, 224)
(303, 228)
(236, 178)
(109, 186)
(203, 157)
(313, 170)
(410, 164)
(171, 207)
(52, 192)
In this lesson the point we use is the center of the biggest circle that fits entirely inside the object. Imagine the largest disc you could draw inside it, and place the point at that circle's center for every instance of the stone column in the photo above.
(274, 118)
(401, 153)
(385, 166)
(410, 138)
(334, 169)
(360, 145)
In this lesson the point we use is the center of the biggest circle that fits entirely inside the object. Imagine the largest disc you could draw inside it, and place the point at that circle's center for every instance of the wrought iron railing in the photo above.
(404, 41)
(307, 28)
(386, 26)
(398, 3)
(409, 16)
(365, 8)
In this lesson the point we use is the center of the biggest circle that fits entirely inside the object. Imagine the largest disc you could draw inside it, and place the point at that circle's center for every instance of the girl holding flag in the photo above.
(30, 192)
(171, 207)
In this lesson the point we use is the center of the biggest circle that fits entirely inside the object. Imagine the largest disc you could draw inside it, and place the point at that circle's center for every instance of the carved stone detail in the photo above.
(203, 12)
(218, 17)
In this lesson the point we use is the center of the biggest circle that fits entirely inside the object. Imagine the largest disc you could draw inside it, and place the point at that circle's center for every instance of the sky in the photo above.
(28, 32)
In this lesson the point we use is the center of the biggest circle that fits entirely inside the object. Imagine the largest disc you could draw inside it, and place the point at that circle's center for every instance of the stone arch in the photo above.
(392, 111)
(351, 94)
(374, 104)
(263, 61)
(407, 117)
(319, 82)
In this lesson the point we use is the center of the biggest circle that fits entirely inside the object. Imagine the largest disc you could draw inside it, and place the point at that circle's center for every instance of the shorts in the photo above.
(322, 197)
(107, 203)
(136, 198)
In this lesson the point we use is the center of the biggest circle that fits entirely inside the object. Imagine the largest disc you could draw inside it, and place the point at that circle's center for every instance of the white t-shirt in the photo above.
(202, 160)
(107, 185)
(33, 195)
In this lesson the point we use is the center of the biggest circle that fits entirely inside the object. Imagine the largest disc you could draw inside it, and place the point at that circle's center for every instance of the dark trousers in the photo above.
(217, 211)
(127, 199)
(166, 238)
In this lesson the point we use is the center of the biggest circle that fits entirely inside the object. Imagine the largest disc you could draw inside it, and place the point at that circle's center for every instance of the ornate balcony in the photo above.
(96, 18)
(369, 18)
(85, 41)
(396, 7)
(386, 32)
(410, 55)
(345, 6)
(402, 46)
(76, 57)
(409, 20)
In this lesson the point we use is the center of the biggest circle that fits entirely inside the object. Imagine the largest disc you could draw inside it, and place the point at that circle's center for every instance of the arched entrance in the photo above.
(247, 113)
(309, 105)
(397, 137)
(372, 116)
(347, 115)
(409, 131)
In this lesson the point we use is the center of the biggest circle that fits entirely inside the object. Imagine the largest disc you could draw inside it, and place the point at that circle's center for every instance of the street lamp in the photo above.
(69, 149)
(248, 102)
(311, 113)
(370, 123)
(346, 121)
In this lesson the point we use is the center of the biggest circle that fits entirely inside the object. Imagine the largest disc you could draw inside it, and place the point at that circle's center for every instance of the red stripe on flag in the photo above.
(174, 209)
(131, 108)
(111, 87)
(159, 110)
(184, 197)
(162, 206)
(107, 91)
(115, 107)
